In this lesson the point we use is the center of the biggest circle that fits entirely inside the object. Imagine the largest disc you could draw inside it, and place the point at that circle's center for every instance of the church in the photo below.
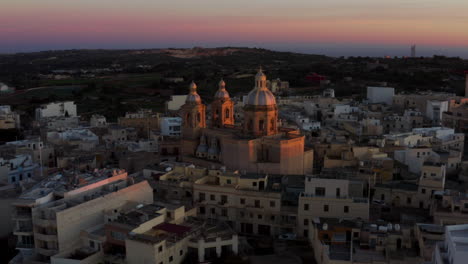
(255, 145)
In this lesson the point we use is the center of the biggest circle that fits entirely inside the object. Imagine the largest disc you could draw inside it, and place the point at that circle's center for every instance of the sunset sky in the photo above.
(333, 27)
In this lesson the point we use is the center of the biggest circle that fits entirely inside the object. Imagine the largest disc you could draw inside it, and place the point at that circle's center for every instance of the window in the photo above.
(306, 222)
(325, 208)
(272, 204)
(257, 203)
(181, 252)
(346, 209)
(272, 218)
(212, 197)
(306, 207)
(223, 199)
(168, 214)
(260, 216)
(117, 235)
(228, 181)
(171, 258)
(160, 248)
(201, 197)
(382, 197)
(202, 210)
(306, 233)
(227, 113)
(242, 201)
(423, 190)
(408, 200)
(91, 244)
(261, 125)
(224, 212)
(213, 211)
(319, 191)
(254, 184)
(338, 192)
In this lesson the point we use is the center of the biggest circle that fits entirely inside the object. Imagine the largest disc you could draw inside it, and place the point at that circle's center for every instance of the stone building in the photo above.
(256, 145)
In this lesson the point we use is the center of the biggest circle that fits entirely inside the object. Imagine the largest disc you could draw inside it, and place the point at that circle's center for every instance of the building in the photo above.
(450, 208)
(52, 188)
(457, 118)
(8, 118)
(435, 110)
(415, 195)
(380, 95)
(258, 145)
(98, 121)
(342, 241)
(331, 196)
(14, 169)
(84, 139)
(277, 86)
(175, 102)
(60, 109)
(329, 92)
(40, 152)
(454, 249)
(162, 238)
(143, 121)
(171, 126)
(252, 204)
(57, 225)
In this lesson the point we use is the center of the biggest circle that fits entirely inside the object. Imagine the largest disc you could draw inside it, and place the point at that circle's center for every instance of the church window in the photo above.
(250, 125)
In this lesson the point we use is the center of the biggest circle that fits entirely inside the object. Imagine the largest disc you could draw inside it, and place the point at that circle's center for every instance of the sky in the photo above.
(332, 27)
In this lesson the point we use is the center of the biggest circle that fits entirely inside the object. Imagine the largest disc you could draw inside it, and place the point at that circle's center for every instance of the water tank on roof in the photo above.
(325, 226)
(389, 226)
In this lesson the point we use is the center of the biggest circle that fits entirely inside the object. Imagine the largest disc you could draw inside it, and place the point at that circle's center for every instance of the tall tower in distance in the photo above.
(413, 51)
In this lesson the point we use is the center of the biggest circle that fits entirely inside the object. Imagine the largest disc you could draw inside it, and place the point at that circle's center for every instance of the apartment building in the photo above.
(332, 196)
(54, 187)
(8, 118)
(57, 225)
(59, 109)
(454, 249)
(250, 203)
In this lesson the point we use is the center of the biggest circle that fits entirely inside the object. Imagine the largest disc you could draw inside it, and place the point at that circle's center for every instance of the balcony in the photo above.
(46, 237)
(23, 229)
(46, 251)
(24, 246)
(45, 222)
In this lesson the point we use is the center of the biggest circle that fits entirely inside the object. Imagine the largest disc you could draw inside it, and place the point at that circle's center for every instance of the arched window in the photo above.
(250, 125)
(227, 113)
(198, 117)
(272, 124)
(261, 125)
(188, 118)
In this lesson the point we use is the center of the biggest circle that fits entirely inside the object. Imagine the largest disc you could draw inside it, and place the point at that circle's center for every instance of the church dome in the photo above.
(260, 95)
(193, 96)
(222, 93)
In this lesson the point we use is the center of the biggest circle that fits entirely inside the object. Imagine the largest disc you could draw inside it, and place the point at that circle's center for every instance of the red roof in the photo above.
(173, 228)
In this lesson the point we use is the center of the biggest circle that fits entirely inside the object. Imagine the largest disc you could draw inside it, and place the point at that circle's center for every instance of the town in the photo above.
(269, 174)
